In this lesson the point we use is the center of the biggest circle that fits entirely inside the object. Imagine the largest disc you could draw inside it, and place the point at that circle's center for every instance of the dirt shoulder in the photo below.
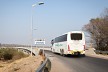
(28, 64)
(90, 52)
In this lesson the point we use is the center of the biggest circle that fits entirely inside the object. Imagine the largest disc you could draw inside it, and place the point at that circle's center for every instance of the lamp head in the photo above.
(40, 3)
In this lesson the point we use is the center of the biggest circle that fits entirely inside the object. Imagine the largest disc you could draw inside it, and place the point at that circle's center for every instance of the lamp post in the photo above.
(39, 3)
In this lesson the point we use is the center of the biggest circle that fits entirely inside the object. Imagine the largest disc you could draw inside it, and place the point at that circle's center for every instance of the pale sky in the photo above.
(52, 19)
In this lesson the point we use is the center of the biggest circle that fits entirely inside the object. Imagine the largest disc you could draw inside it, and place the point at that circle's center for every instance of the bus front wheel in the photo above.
(62, 52)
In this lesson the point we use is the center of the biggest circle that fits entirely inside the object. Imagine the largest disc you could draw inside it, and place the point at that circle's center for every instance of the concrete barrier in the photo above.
(49, 49)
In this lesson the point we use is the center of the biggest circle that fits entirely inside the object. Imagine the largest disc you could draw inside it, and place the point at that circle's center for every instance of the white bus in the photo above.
(69, 43)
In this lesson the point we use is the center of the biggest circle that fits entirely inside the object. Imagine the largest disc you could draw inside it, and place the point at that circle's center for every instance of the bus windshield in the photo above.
(76, 36)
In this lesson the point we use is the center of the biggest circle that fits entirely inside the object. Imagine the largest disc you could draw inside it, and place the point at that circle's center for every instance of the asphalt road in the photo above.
(82, 64)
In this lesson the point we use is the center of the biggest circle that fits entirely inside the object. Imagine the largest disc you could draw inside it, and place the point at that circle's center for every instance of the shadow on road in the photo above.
(72, 56)
(75, 56)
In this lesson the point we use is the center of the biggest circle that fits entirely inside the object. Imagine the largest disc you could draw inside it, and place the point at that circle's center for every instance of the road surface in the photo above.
(77, 64)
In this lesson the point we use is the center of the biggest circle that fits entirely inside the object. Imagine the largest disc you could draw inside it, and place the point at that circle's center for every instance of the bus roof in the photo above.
(71, 32)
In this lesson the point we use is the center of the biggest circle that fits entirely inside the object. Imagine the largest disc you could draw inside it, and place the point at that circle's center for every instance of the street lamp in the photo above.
(39, 3)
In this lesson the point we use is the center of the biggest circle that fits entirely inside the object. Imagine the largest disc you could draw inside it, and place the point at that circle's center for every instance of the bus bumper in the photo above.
(76, 52)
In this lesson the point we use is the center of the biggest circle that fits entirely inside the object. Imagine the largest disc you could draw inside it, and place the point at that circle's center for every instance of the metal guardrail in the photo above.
(45, 66)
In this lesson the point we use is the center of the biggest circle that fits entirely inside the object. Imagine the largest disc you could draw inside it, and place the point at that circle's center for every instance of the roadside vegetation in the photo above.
(10, 54)
(97, 28)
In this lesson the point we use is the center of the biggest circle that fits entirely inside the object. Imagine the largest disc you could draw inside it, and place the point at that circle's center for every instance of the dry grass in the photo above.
(11, 54)
(28, 64)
